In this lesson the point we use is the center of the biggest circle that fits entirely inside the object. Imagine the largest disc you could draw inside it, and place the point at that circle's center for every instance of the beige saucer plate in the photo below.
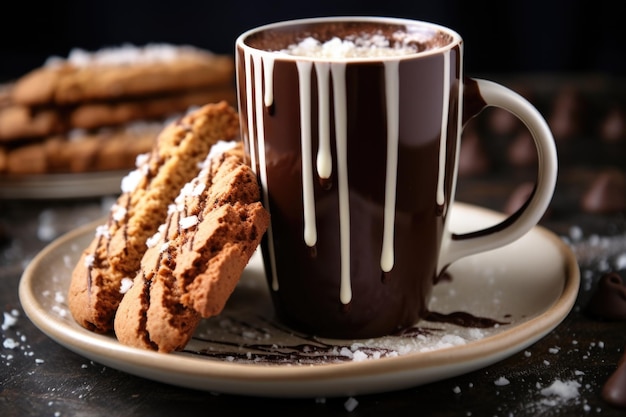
(531, 285)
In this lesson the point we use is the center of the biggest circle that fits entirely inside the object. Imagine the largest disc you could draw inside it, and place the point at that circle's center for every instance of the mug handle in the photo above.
(456, 246)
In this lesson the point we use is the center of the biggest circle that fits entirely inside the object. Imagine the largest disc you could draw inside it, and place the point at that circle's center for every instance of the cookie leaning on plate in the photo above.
(195, 260)
(115, 252)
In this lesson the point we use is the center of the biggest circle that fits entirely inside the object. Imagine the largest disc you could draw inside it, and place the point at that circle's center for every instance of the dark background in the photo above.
(500, 36)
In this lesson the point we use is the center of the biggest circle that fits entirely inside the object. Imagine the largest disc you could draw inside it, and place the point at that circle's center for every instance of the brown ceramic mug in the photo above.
(352, 125)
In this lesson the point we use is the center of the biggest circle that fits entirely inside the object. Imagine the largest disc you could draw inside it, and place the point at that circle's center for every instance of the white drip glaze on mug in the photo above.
(268, 72)
(324, 160)
(259, 63)
(249, 104)
(308, 198)
(263, 84)
(341, 144)
(392, 102)
(441, 198)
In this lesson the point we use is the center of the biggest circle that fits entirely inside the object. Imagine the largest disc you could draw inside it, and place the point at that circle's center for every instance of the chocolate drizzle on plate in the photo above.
(460, 318)
(310, 351)
(257, 340)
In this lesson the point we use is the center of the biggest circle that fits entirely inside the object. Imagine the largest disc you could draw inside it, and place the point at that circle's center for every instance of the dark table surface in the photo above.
(39, 377)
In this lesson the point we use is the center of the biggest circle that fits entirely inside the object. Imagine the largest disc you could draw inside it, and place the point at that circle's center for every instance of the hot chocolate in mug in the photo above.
(352, 125)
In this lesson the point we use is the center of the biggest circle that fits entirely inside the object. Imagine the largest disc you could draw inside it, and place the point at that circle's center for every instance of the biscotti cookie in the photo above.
(97, 114)
(122, 72)
(104, 149)
(26, 159)
(117, 248)
(19, 122)
(120, 148)
(195, 260)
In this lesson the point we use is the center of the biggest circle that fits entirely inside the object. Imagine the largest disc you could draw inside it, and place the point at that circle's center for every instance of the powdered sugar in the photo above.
(502, 381)
(596, 254)
(125, 285)
(9, 343)
(219, 148)
(561, 391)
(13, 340)
(142, 160)
(153, 240)
(9, 319)
(188, 222)
(352, 47)
(89, 260)
(131, 181)
(103, 231)
(118, 212)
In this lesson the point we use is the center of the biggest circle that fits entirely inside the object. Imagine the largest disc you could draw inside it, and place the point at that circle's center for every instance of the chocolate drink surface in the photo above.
(356, 159)
(349, 39)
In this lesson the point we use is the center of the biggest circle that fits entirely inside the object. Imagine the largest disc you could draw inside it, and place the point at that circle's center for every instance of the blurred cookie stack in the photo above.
(96, 111)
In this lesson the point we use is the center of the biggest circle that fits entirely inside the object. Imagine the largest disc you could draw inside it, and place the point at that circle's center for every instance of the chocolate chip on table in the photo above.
(503, 122)
(473, 158)
(566, 116)
(522, 151)
(608, 301)
(606, 193)
(613, 126)
(518, 197)
(614, 389)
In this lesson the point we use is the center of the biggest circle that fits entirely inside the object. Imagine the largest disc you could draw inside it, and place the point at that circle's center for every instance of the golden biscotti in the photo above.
(25, 122)
(194, 261)
(104, 149)
(117, 248)
(111, 113)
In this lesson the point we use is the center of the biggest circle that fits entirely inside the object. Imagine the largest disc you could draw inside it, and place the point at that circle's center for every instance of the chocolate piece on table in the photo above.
(609, 299)
(606, 194)
(613, 126)
(565, 119)
(609, 303)
(522, 151)
(473, 158)
(519, 197)
(614, 389)
(503, 122)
